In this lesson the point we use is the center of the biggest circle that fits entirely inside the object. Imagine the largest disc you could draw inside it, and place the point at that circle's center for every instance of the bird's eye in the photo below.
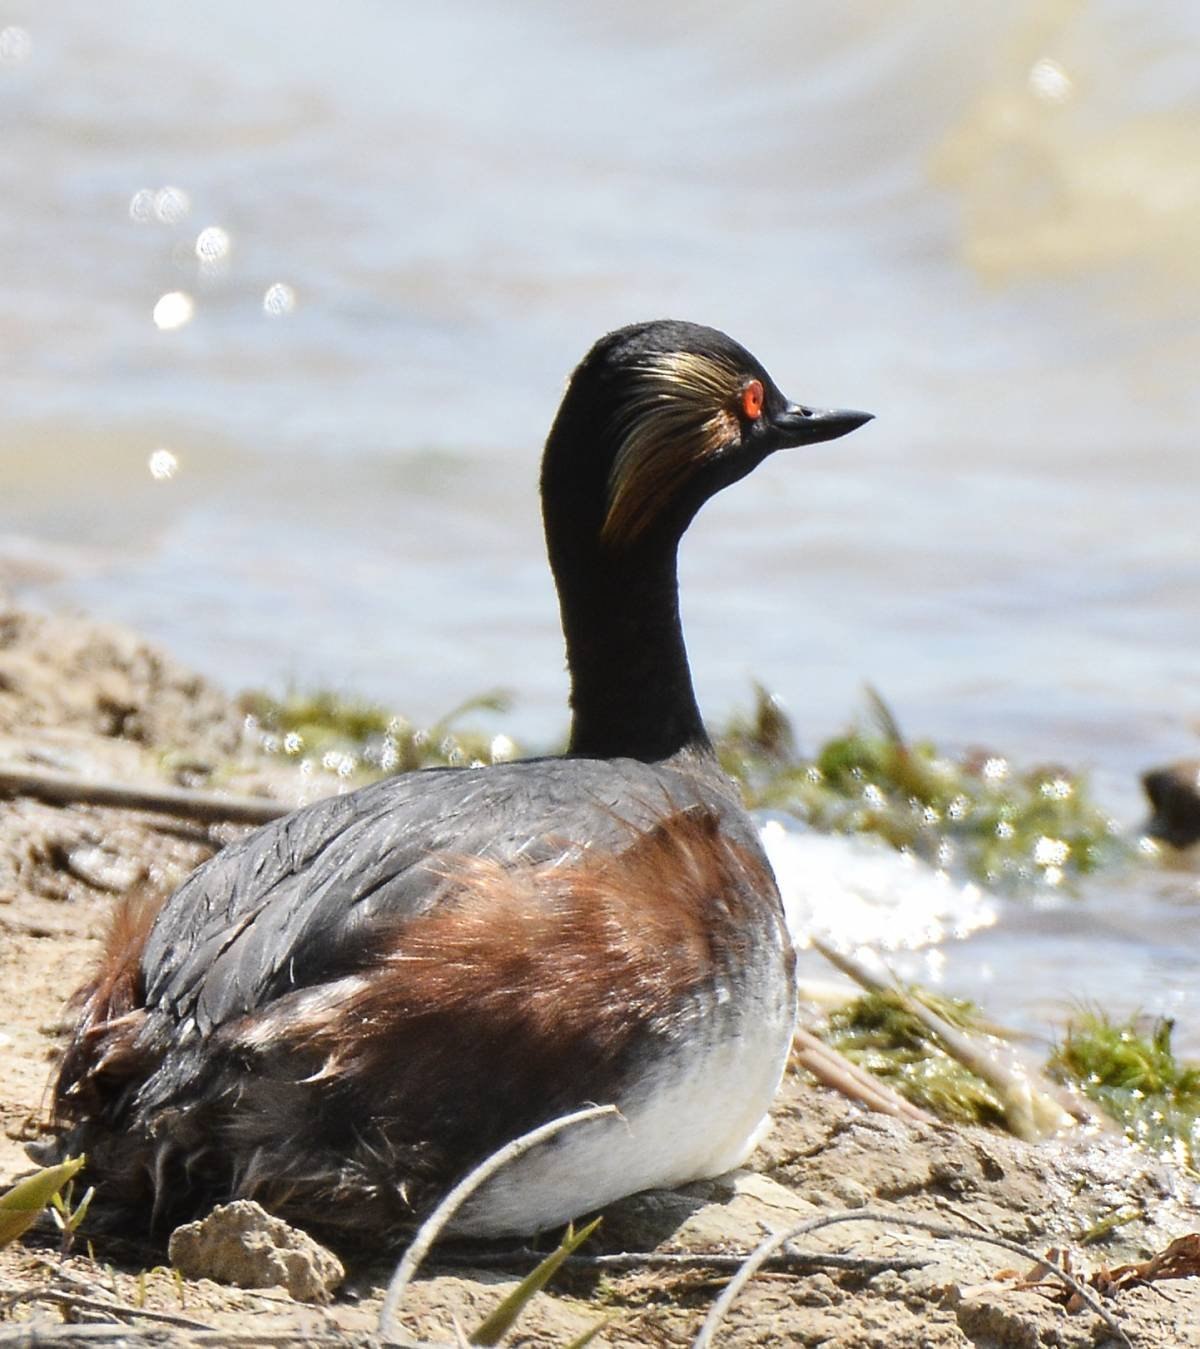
(752, 400)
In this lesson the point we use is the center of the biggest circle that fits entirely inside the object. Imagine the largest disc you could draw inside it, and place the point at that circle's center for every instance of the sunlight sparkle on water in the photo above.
(162, 465)
(1051, 852)
(171, 205)
(856, 891)
(15, 45)
(166, 205)
(173, 310)
(1049, 82)
(502, 749)
(212, 245)
(141, 206)
(279, 300)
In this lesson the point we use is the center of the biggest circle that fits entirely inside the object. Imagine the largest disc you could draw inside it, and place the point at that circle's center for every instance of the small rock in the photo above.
(241, 1244)
(850, 1192)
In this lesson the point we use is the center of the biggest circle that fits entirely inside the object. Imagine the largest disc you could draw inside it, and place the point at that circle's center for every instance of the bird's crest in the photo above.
(680, 412)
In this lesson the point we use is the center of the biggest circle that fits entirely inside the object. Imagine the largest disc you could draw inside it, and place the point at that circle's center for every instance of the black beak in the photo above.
(797, 425)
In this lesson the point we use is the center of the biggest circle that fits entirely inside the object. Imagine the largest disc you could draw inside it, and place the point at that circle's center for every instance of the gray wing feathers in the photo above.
(276, 910)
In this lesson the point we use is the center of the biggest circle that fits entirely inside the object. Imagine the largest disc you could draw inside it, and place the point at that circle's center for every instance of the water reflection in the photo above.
(1049, 81)
(1069, 163)
(16, 45)
(279, 301)
(173, 310)
(163, 465)
(212, 246)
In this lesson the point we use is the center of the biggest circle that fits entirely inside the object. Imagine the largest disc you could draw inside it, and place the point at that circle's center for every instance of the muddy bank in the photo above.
(96, 701)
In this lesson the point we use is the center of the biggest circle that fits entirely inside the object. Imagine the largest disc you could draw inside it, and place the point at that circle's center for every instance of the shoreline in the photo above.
(95, 699)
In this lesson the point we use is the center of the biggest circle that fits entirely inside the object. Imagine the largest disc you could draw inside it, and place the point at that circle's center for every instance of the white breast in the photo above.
(698, 1112)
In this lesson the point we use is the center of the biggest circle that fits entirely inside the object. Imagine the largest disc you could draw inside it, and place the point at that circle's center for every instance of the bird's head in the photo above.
(657, 418)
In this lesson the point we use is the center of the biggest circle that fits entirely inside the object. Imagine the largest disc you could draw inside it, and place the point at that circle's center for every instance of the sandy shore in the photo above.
(87, 699)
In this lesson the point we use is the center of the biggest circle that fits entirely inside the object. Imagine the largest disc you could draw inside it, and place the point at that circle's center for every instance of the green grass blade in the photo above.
(588, 1335)
(493, 1328)
(20, 1206)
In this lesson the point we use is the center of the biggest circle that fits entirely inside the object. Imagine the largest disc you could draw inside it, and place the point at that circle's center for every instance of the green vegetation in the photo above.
(1135, 1077)
(496, 1325)
(1012, 830)
(360, 739)
(23, 1203)
(879, 1034)
(1131, 1075)
(68, 1216)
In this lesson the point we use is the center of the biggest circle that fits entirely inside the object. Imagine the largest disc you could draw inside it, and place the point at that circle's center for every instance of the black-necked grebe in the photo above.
(346, 1010)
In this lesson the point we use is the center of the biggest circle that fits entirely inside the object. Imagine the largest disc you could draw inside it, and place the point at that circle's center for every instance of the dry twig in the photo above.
(67, 789)
(432, 1228)
(77, 1301)
(630, 1261)
(720, 1308)
(836, 1071)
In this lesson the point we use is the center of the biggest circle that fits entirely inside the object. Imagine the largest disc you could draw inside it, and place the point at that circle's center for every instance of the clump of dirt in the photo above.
(62, 673)
(243, 1245)
(71, 690)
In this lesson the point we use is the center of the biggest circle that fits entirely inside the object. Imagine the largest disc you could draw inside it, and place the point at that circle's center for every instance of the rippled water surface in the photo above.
(290, 291)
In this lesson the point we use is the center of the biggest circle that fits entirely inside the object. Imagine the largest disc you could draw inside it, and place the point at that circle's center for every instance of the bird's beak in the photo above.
(797, 425)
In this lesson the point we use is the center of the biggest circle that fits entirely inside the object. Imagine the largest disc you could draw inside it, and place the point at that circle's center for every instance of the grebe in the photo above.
(343, 1012)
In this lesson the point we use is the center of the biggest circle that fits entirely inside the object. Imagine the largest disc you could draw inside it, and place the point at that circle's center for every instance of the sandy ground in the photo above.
(92, 700)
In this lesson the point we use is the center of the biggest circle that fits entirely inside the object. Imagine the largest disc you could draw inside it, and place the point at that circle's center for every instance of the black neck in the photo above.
(631, 688)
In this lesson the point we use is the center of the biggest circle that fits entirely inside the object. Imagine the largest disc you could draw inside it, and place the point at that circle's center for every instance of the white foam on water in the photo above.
(853, 890)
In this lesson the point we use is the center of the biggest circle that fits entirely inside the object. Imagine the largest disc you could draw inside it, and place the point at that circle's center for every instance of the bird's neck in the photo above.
(631, 686)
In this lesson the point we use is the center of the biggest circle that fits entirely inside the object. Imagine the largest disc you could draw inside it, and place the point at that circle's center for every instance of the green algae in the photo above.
(1014, 830)
(365, 740)
(877, 1032)
(1132, 1074)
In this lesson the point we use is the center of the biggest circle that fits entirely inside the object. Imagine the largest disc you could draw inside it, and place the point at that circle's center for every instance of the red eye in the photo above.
(752, 399)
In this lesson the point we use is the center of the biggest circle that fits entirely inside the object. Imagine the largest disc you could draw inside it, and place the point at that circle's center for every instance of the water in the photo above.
(980, 222)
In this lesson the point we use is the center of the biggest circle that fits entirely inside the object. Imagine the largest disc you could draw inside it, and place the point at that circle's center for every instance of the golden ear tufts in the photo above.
(679, 413)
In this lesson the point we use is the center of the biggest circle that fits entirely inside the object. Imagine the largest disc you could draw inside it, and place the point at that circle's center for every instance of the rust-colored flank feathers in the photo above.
(344, 1011)
(531, 971)
(102, 1051)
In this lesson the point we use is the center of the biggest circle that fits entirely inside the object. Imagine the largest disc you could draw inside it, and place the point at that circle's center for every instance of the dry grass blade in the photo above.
(720, 1308)
(432, 1228)
(836, 1071)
